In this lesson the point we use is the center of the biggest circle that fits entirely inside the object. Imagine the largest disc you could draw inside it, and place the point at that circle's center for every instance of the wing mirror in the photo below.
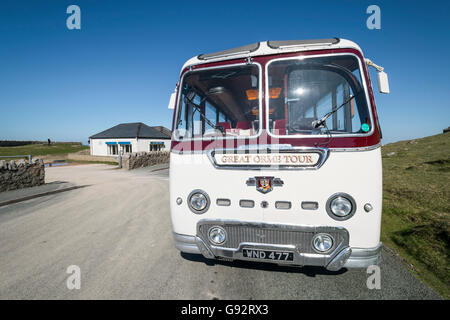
(383, 81)
(173, 98)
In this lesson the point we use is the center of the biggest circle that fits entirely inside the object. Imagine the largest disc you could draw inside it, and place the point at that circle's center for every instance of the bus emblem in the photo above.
(264, 184)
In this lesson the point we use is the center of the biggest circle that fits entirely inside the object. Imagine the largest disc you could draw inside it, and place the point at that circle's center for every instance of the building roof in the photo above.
(163, 130)
(133, 130)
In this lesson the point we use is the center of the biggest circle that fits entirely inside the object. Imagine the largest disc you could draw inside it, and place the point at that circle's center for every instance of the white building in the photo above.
(130, 137)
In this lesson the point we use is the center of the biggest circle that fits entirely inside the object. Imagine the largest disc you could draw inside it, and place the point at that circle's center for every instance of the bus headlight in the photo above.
(322, 242)
(217, 235)
(341, 206)
(198, 201)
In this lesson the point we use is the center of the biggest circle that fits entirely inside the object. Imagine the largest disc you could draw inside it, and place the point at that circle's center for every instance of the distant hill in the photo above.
(416, 206)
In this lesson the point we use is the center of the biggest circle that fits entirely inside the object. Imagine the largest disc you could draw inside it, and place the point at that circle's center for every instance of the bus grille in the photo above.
(300, 237)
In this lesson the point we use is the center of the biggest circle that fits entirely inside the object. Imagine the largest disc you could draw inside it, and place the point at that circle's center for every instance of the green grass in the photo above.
(60, 149)
(41, 149)
(416, 206)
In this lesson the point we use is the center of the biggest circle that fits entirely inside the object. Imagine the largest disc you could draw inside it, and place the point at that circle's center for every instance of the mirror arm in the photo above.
(372, 64)
(383, 82)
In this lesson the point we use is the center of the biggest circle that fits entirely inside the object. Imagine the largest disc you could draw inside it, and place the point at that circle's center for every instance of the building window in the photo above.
(126, 148)
(113, 149)
(156, 146)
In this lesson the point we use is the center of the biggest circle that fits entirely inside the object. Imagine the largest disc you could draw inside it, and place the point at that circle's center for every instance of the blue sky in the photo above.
(125, 61)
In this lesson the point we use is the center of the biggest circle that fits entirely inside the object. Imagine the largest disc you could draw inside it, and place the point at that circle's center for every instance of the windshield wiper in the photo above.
(198, 108)
(321, 121)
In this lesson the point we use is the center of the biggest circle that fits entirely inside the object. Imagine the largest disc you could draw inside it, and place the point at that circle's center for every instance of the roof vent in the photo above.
(298, 43)
(230, 52)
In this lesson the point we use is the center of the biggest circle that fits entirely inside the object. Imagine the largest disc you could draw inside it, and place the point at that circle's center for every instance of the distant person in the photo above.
(48, 140)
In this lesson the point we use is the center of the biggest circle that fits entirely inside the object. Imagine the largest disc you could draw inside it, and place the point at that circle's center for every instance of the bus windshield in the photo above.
(219, 102)
(304, 90)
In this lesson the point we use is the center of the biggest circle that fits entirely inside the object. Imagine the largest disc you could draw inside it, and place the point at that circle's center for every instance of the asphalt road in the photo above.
(118, 231)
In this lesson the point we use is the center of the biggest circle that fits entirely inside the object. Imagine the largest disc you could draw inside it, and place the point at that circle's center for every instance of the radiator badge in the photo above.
(265, 184)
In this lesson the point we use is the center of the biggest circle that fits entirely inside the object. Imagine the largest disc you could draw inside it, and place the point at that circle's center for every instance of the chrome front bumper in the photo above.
(296, 239)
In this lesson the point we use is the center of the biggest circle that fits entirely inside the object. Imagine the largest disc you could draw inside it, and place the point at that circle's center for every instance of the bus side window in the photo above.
(222, 117)
(210, 114)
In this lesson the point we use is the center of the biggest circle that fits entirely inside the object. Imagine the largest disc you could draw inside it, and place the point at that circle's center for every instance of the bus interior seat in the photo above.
(244, 125)
(224, 125)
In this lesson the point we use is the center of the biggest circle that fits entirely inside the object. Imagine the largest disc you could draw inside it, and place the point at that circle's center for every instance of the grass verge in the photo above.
(42, 149)
(416, 206)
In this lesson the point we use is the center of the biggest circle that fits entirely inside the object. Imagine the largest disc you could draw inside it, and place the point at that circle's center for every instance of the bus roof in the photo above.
(271, 47)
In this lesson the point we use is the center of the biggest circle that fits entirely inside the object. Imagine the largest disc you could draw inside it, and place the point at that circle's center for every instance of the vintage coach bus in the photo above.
(275, 155)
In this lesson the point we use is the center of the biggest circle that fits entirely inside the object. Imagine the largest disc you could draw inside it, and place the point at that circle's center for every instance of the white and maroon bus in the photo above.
(275, 155)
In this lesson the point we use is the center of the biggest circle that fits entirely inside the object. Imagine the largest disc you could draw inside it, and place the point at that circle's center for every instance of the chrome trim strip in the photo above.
(185, 243)
(364, 257)
(364, 85)
(203, 248)
(340, 259)
(359, 149)
(251, 147)
(264, 149)
(212, 139)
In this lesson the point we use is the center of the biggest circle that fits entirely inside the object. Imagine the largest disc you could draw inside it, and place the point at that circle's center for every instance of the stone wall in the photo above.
(144, 159)
(20, 174)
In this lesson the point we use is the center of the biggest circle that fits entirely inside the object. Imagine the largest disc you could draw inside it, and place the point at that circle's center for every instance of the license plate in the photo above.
(268, 255)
